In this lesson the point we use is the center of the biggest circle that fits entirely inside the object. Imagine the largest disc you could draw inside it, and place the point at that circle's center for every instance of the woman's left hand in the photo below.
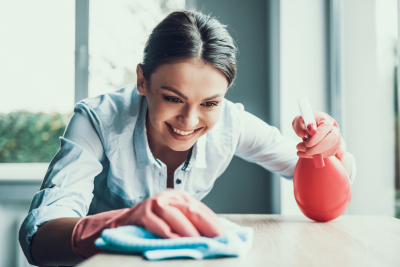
(327, 141)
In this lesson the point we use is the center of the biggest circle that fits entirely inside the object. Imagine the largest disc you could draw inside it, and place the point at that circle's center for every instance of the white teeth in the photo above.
(180, 132)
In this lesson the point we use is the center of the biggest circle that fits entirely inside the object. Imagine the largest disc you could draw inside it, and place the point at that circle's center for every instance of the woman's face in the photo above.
(184, 102)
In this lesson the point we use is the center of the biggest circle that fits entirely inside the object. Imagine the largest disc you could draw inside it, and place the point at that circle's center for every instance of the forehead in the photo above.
(189, 75)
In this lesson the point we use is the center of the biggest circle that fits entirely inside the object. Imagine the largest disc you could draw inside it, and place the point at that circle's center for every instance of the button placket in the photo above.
(180, 179)
(176, 178)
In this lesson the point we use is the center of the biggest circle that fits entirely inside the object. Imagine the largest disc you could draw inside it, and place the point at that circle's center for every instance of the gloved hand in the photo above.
(169, 214)
(326, 141)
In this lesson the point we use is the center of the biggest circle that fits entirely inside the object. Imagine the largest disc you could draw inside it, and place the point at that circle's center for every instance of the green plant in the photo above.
(30, 137)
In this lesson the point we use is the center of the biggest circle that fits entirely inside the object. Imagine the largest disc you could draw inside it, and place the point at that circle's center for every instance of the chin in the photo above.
(184, 146)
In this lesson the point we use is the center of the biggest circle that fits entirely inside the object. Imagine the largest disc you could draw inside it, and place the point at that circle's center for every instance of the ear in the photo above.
(141, 81)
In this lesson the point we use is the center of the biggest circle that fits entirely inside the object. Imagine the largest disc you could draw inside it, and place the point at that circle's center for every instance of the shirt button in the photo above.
(178, 181)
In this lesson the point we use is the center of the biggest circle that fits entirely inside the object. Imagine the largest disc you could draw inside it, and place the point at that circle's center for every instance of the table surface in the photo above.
(281, 240)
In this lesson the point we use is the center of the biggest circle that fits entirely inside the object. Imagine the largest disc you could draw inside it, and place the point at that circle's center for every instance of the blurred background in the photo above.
(341, 54)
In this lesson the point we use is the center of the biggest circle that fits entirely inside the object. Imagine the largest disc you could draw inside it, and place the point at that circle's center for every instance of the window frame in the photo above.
(334, 77)
(35, 172)
(81, 49)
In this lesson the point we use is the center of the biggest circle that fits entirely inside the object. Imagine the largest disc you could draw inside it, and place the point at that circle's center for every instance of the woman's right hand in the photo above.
(175, 213)
(168, 214)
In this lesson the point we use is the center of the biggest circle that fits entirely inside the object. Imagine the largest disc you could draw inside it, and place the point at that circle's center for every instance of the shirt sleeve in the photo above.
(81, 131)
(67, 187)
(264, 144)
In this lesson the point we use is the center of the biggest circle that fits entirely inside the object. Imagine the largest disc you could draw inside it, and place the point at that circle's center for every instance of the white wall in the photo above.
(303, 71)
(369, 30)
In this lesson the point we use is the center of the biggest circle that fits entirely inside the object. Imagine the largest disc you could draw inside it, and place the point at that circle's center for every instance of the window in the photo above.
(37, 77)
(364, 57)
(38, 65)
(370, 35)
(118, 31)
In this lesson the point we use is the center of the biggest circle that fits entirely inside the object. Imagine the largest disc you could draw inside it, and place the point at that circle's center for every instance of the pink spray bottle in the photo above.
(321, 186)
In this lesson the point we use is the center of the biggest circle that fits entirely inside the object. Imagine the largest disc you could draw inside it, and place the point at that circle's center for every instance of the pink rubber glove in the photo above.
(326, 141)
(169, 214)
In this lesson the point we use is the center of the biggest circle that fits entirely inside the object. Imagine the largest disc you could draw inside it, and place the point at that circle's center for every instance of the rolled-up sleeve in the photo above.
(66, 190)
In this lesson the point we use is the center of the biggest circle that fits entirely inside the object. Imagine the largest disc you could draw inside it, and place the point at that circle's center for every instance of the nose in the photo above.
(189, 118)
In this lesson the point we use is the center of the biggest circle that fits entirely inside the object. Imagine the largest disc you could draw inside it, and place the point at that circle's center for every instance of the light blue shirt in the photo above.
(105, 163)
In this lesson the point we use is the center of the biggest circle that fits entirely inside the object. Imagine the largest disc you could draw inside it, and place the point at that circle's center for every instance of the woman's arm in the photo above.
(264, 145)
(65, 194)
(51, 245)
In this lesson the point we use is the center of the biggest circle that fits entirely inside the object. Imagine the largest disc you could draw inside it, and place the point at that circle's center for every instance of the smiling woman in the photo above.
(172, 129)
(188, 64)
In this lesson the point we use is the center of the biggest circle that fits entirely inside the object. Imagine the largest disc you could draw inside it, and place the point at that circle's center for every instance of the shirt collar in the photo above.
(144, 156)
(199, 153)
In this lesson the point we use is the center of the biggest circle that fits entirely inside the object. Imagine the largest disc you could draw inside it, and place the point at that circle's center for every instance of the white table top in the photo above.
(282, 240)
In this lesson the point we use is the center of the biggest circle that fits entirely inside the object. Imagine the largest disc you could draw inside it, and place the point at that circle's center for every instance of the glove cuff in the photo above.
(89, 228)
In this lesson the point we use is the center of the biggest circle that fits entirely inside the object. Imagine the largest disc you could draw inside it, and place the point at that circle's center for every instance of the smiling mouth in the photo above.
(183, 133)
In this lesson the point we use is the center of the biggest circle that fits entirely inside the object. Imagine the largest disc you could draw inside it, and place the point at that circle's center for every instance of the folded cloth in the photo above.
(235, 241)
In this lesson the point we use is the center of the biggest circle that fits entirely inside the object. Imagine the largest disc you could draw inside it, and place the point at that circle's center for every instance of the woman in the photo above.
(172, 129)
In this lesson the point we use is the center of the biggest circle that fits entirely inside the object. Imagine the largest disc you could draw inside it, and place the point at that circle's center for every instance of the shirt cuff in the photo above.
(34, 220)
(352, 176)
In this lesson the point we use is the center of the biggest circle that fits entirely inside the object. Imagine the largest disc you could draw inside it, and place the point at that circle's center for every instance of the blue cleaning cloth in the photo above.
(235, 241)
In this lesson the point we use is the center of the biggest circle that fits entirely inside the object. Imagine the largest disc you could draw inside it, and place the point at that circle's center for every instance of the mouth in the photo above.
(182, 135)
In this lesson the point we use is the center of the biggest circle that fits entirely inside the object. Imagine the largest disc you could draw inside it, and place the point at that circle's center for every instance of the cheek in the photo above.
(161, 112)
(211, 118)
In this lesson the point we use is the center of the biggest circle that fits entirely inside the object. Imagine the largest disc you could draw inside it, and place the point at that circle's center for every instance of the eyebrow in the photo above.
(212, 97)
(172, 89)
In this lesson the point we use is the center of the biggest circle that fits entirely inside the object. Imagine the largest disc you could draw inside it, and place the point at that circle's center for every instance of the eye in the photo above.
(210, 104)
(173, 99)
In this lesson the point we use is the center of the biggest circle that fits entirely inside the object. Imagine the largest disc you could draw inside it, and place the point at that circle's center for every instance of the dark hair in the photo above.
(190, 34)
